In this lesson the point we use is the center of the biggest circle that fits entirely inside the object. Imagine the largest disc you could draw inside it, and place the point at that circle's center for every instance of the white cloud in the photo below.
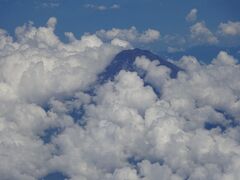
(102, 7)
(44, 66)
(130, 131)
(4, 38)
(149, 35)
(156, 75)
(201, 34)
(119, 42)
(224, 59)
(230, 28)
(52, 22)
(131, 35)
(37, 68)
(192, 15)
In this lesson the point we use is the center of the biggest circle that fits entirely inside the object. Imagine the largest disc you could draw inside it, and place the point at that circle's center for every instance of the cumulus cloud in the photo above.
(102, 7)
(192, 15)
(122, 129)
(224, 59)
(39, 58)
(201, 34)
(131, 35)
(230, 28)
(120, 42)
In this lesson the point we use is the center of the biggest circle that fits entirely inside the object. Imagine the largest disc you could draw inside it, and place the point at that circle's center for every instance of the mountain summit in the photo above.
(125, 61)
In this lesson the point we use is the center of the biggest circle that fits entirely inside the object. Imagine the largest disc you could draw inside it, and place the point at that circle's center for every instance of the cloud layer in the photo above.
(123, 129)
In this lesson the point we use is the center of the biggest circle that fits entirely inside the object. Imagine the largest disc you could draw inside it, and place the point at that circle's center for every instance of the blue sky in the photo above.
(166, 16)
(161, 14)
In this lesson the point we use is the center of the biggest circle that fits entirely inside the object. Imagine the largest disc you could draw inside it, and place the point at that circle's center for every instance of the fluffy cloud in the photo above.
(4, 38)
(55, 117)
(230, 28)
(224, 59)
(131, 35)
(201, 34)
(192, 15)
(44, 66)
(155, 74)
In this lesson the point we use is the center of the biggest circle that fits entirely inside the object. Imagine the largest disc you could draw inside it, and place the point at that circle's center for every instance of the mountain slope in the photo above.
(125, 61)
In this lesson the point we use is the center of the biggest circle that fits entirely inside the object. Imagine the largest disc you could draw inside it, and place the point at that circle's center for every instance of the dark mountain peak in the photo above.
(133, 53)
(125, 61)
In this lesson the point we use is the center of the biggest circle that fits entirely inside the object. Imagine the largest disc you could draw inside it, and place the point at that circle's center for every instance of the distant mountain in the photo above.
(125, 61)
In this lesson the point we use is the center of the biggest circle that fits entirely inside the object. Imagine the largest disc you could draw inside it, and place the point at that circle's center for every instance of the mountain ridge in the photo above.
(124, 60)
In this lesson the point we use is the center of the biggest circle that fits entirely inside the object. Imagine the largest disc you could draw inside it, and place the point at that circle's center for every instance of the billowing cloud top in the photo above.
(230, 28)
(55, 117)
(201, 34)
(131, 35)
